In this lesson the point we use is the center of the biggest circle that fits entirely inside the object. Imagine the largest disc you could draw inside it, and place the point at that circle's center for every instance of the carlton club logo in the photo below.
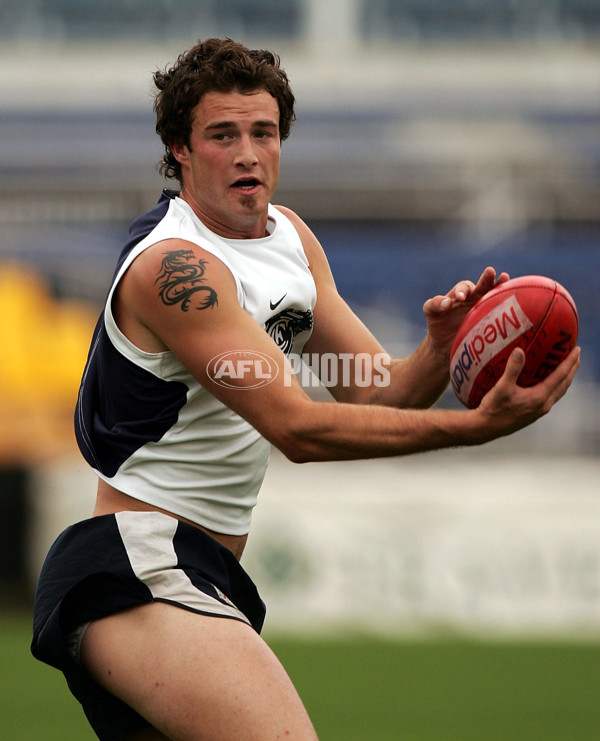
(284, 327)
(242, 369)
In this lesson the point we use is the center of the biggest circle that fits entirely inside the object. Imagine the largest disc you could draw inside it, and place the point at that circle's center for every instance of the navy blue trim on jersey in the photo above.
(140, 407)
(142, 225)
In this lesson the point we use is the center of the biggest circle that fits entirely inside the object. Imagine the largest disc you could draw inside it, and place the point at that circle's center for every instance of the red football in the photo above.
(532, 312)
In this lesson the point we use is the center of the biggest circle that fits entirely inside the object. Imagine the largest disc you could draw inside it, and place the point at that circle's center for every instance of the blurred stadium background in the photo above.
(433, 138)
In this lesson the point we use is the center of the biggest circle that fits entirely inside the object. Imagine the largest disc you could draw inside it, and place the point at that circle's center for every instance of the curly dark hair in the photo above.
(220, 65)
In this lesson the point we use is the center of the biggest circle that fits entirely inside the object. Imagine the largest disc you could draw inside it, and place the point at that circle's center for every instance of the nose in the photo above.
(245, 155)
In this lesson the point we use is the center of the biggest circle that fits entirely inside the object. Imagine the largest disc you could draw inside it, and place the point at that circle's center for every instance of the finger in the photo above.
(514, 365)
(487, 280)
(574, 357)
(462, 290)
(466, 289)
(437, 305)
(562, 377)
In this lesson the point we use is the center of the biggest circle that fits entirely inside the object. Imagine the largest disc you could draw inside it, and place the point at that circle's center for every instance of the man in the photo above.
(144, 606)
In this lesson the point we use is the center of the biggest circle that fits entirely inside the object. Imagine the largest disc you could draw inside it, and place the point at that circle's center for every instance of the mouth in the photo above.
(246, 184)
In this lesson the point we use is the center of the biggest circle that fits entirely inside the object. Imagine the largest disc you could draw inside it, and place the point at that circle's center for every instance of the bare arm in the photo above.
(416, 381)
(305, 430)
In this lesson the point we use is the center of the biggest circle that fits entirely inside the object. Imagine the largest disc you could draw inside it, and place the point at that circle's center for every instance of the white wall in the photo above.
(459, 540)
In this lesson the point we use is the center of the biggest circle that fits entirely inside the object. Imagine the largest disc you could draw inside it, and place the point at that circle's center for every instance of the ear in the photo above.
(180, 152)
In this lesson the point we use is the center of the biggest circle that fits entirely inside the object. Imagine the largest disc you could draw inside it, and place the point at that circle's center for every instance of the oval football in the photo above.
(533, 312)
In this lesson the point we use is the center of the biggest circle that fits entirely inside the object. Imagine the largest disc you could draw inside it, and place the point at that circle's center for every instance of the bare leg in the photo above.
(195, 677)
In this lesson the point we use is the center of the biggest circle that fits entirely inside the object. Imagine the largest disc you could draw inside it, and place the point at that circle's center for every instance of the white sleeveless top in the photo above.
(146, 425)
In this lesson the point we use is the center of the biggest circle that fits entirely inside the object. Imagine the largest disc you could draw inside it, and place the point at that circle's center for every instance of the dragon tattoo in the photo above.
(180, 279)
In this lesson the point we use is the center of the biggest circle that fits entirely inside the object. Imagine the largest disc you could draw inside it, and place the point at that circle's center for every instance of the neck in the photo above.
(252, 226)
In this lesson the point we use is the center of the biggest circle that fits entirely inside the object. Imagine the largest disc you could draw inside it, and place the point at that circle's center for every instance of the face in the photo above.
(231, 168)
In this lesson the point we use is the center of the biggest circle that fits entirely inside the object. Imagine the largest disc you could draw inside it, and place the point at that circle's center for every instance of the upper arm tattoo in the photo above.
(180, 279)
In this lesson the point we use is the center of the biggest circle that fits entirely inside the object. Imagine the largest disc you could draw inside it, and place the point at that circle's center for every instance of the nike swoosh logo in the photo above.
(276, 304)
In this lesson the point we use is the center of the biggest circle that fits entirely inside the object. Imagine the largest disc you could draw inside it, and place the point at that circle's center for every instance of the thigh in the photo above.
(195, 677)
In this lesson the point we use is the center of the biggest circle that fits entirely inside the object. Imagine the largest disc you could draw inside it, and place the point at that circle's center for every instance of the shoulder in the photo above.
(313, 249)
(176, 259)
(160, 294)
(300, 225)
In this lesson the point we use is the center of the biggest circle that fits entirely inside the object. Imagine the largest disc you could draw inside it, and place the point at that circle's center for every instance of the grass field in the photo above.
(367, 690)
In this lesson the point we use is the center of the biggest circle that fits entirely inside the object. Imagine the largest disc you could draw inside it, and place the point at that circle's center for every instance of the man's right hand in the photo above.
(508, 407)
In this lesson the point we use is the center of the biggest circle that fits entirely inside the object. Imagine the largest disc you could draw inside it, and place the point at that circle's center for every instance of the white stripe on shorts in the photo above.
(148, 540)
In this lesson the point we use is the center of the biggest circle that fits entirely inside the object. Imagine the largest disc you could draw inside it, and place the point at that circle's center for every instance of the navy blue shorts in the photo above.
(114, 562)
